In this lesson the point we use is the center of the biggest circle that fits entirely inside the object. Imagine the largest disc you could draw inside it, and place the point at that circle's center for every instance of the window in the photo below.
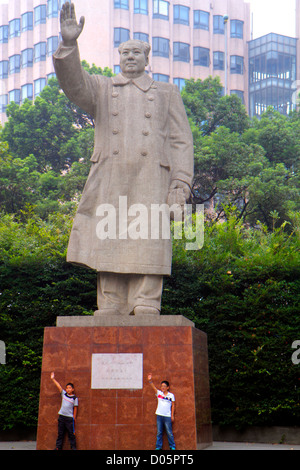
(14, 96)
(14, 64)
(160, 47)
(51, 75)
(26, 58)
(239, 93)
(52, 8)
(14, 28)
(4, 34)
(181, 15)
(27, 21)
(40, 52)
(218, 24)
(141, 6)
(120, 35)
(218, 61)
(161, 77)
(40, 14)
(180, 82)
(123, 4)
(201, 56)
(181, 52)
(201, 20)
(237, 64)
(141, 36)
(27, 92)
(161, 9)
(3, 103)
(39, 84)
(117, 69)
(52, 44)
(236, 29)
(4, 69)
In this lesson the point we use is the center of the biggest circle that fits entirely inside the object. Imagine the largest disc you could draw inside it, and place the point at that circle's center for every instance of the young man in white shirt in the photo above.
(164, 413)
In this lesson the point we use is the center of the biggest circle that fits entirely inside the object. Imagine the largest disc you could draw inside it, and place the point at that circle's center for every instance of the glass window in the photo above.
(14, 96)
(39, 84)
(160, 47)
(141, 36)
(14, 28)
(180, 82)
(27, 21)
(181, 52)
(218, 24)
(52, 8)
(181, 15)
(201, 20)
(161, 77)
(239, 93)
(161, 9)
(141, 6)
(218, 61)
(3, 103)
(27, 58)
(120, 35)
(237, 64)
(121, 4)
(52, 45)
(201, 56)
(14, 64)
(3, 34)
(117, 69)
(27, 92)
(40, 52)
(51, 75)
(236, 29)
(4, 69)
(40, 14)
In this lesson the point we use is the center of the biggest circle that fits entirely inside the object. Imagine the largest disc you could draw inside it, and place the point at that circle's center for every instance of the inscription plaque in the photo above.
(117, 371)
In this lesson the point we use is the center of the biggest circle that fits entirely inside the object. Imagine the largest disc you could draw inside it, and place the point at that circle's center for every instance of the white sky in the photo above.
(269, 16)
(273, 16)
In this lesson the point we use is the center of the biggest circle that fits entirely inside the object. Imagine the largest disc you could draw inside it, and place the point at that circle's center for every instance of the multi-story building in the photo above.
(188, 38)
(272, 74)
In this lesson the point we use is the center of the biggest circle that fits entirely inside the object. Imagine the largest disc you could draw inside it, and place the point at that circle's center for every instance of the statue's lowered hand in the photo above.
(70, 29)
(179, 193)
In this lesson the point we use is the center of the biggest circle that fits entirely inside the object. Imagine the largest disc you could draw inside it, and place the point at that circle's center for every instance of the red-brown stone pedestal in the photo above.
(117, 419)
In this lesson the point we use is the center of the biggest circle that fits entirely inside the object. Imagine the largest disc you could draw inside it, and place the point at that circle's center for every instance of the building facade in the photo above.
(272, 74)
(188, 38)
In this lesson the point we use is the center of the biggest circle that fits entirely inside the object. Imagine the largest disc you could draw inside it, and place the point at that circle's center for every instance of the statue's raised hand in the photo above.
(70, 29)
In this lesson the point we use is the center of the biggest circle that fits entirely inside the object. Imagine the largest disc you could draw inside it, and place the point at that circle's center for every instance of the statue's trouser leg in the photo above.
(121, 293)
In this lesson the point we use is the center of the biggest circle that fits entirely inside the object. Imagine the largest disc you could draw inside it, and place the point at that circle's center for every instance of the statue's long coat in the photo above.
(142, 143)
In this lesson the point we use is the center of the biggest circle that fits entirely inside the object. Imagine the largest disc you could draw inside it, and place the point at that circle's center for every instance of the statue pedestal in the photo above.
(171, 348)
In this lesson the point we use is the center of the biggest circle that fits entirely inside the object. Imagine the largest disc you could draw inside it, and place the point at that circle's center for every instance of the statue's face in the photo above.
(132, 59)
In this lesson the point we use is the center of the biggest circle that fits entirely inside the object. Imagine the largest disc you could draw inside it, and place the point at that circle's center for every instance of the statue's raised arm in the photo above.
(70, 29)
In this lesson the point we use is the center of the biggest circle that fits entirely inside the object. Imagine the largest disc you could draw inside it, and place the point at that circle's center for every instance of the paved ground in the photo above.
(250, 446)
(31, 445)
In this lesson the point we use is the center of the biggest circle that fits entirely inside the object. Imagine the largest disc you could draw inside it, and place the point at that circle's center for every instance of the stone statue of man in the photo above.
(142, 159)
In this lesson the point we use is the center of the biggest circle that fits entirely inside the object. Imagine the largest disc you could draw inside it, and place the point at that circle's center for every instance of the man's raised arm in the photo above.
(78, 85)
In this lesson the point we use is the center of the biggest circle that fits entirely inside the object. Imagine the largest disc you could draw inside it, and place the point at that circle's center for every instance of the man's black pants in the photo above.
(65, 424)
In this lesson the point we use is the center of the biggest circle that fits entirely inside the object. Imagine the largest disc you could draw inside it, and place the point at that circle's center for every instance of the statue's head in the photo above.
(134, 56)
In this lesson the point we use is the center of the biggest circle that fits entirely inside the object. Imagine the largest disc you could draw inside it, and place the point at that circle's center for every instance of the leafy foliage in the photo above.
(241, 288)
